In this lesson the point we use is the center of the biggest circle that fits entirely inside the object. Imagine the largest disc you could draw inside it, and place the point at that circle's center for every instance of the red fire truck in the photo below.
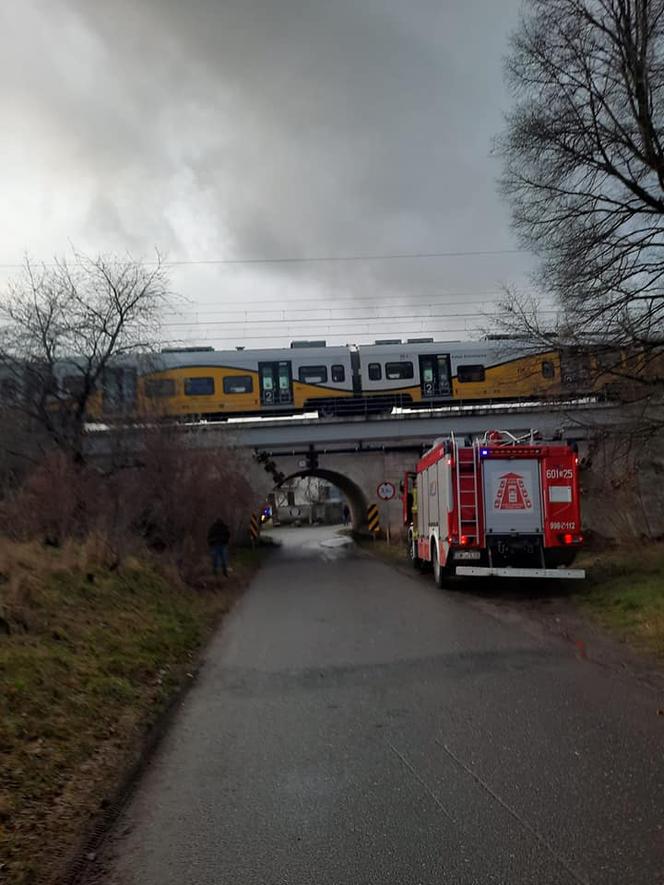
(499, 505)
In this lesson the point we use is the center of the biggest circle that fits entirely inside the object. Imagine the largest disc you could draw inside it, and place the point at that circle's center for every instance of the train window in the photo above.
(198, 386)
(548, 369)
(313, 374)
(375, 372)
(159, 387)
(238, 384)
(284, 377)
(338, 374)
(470, 373)
(395, 371)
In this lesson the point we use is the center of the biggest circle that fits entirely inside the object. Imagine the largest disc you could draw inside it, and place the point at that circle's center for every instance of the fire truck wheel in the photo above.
(438, 569)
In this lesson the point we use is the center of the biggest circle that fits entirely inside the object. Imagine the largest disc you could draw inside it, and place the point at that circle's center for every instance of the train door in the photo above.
(276, 383)
(435, 380)
(118, 391)
(575, 370)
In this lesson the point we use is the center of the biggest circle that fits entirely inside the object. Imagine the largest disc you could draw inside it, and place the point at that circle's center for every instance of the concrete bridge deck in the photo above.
(576, 420)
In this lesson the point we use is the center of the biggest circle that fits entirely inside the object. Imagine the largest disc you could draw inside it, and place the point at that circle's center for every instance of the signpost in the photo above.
(386, 490)
(254, 529)
(373, 522)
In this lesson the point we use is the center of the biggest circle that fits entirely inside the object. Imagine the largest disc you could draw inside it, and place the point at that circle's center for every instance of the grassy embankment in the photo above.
(624, 591)
(625, 594)
(89, 657)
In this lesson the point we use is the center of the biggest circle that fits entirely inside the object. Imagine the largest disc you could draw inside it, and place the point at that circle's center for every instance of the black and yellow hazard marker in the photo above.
(253, 527)
(373, 522)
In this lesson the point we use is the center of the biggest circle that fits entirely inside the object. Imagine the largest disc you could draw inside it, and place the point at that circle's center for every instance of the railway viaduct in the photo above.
(358, 454)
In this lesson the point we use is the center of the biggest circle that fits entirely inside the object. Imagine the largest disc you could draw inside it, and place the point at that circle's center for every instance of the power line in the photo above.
(405, 296)
(359, 304)
(308, 259)
(348, 338)
(253, 319)
(395, 256)
(325, 321)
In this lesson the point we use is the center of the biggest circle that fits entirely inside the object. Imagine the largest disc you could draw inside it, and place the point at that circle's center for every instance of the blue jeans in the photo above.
(219, 554)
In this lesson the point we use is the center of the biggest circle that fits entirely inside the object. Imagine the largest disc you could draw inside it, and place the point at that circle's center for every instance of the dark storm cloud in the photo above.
(248, 128)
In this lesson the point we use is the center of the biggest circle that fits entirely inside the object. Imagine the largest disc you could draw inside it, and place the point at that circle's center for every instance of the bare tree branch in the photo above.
(583, 157)
(67, 334)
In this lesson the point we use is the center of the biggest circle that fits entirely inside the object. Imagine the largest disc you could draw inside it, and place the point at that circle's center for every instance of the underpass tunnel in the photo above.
(354, 495)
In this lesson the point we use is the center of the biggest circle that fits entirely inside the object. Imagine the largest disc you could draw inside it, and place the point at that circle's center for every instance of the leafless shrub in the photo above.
(164, 501)
(622, 490)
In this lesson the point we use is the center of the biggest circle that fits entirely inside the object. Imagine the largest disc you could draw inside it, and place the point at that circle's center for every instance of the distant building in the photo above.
(307, 500)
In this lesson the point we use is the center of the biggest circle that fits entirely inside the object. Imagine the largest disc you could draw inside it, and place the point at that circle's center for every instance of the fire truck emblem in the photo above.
(512, 493)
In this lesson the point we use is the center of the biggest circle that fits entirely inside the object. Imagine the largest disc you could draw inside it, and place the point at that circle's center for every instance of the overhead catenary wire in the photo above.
(287, 308)
(344, 337)
(406, 297)
(325, 321)
(304, 259)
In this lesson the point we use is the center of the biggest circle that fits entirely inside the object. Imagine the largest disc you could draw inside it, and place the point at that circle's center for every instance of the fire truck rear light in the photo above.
(464, 540)
(568, 539)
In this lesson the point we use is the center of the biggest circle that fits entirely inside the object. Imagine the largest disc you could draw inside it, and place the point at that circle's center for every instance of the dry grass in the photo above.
(625, 594)
(395, 553)
(89, 655)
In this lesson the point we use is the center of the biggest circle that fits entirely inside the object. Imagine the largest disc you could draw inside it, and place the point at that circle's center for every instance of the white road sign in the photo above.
(386, 491)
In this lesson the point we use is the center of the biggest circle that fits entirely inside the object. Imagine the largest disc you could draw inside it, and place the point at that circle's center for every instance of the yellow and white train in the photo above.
(351, 379)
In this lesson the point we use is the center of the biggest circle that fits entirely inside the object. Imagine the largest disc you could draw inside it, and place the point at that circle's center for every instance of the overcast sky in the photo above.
(255, 129)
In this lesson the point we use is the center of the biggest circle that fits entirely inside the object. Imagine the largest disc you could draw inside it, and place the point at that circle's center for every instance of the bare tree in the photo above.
(583, 156)
(68, 332)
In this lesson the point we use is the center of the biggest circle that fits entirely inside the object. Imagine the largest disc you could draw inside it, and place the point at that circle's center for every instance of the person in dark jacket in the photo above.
(218, 538)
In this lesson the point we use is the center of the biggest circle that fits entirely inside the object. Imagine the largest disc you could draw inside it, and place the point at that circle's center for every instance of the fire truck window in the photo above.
(470, 373)
(375, 372)
(313, 374)
(548, 369)
(338, 374)
(397, 371)
(198, 386)
(238, 384)
(159, 387)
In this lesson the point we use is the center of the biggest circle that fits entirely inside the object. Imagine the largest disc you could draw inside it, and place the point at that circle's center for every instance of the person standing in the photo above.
(346, 514)
(218, 538)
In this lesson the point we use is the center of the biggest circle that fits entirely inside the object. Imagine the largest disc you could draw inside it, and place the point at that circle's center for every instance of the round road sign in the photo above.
(386, 491)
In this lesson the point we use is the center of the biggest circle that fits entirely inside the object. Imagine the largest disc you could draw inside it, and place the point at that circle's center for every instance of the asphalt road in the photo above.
(355, 725)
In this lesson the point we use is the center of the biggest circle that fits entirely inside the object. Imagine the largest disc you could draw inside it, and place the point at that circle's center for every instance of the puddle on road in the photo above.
(337, 542)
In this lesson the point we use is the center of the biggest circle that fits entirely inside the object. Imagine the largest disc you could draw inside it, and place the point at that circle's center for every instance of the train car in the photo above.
(217, 384)
(202, 382)
(344, 380)
(430, 373)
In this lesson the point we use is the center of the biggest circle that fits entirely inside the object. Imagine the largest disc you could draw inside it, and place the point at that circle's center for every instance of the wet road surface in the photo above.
(355, 725)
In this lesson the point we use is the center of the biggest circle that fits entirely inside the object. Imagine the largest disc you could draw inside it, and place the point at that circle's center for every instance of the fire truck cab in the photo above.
(498, 505)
